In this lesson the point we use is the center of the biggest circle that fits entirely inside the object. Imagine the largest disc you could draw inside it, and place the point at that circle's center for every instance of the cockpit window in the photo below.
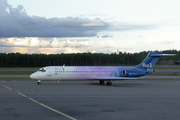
(42, 70)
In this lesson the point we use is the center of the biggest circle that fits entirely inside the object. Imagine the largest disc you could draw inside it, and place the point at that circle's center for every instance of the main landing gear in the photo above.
(101, 82)
(39, 82)
(108, 83)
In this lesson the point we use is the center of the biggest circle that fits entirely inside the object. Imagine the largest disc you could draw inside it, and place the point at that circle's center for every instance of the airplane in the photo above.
(98, 73)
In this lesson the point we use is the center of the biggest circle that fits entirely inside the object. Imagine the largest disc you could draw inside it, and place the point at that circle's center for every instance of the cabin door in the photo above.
(49, 72)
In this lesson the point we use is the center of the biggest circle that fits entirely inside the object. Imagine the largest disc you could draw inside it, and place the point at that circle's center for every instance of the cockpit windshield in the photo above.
(42, 70)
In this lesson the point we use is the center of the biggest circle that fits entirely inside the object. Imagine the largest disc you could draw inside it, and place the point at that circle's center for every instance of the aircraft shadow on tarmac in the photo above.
(86, 83)
(119, 84)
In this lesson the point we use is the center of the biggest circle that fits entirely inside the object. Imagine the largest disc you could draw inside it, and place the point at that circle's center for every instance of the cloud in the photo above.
(3, 6)
(20, 32)
(44, 45)
(167, 42)
(43, 42)
(24, 42)
(106, 36)
(15, 22)
(124, 26)
(69, 43)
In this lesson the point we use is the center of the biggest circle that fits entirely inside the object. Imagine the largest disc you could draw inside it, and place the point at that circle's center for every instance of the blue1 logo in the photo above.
(147, 65)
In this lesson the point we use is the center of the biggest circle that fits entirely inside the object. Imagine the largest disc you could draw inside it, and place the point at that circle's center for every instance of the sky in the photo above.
(96, 26)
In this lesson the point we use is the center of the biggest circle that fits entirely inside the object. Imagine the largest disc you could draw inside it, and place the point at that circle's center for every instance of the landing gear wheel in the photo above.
(109, 83)
(39, 82)
(101, 82)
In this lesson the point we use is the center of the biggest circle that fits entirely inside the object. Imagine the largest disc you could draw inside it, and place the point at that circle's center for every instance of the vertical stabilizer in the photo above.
(151, 59)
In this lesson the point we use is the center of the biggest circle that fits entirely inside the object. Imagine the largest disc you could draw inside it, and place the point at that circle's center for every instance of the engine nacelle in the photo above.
(124, 73)
(133, 73)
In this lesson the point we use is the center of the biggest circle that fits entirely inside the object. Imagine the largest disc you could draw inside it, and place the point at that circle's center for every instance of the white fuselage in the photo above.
(76, 73)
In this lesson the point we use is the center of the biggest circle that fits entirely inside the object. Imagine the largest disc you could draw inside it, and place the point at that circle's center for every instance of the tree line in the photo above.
(79, 59)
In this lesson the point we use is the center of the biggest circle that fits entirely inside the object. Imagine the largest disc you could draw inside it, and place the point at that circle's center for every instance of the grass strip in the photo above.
(15, 72)
(15, 78)
(163, 74)
(167, 68)
(20, 68)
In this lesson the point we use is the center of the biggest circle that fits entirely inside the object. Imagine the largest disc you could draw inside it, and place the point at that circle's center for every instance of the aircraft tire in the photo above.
(39, 83)
(101, 82)
(109, 83)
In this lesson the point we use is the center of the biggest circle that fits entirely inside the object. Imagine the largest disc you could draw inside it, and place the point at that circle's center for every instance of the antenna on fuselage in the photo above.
(63, 66)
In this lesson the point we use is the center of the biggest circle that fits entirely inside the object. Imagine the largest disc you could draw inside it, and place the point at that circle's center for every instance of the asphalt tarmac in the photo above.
(23, 99)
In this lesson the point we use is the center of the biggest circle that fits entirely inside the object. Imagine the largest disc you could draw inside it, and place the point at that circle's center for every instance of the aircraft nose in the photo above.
(33, 76)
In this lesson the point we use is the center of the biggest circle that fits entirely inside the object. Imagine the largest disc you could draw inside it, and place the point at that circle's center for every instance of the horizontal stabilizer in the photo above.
(159, 55)
(114, 78)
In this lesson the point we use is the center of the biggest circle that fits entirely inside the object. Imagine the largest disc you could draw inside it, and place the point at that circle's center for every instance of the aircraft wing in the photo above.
(114, 78)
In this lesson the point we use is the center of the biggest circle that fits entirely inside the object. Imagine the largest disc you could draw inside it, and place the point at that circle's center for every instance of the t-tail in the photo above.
(149, 62)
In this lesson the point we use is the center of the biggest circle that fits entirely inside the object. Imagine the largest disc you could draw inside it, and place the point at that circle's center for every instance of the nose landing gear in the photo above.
(39, 82)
